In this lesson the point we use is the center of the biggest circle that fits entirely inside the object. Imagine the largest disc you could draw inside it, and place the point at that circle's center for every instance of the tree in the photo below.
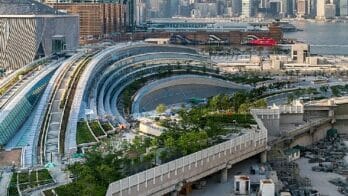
(291, 97)
(244, 108)
(192, 141)
(237, 99)
(261, 103)
(323, 88)
(169, 143)
(161, 108)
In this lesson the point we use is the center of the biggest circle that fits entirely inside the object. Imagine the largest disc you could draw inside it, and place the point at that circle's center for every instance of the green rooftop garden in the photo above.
(106, 126)
(83, 133)
(198, 128)
(29, 179)
(97, 130)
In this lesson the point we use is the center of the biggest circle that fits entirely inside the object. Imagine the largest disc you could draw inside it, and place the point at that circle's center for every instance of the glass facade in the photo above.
(14, 119)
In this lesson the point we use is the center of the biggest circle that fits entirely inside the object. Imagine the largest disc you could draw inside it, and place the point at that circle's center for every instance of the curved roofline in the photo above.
(108, 54)
(26, 7)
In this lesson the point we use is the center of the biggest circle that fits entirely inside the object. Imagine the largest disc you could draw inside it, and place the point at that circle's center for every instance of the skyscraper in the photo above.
(246, 8)
(320, 9)
(303, 8)
(343, 7)
(140, 15)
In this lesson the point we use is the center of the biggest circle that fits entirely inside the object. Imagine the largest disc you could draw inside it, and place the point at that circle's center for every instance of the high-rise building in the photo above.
(290, 7)
(330, 10)
(206, 9)
(184, 8)
(303, 8)
(246, 8)
(236, 7)
(29, 30)
(320, 10)
(174, 7)
(343, 7)
(140, 13)
(313, 9)
(97, 19)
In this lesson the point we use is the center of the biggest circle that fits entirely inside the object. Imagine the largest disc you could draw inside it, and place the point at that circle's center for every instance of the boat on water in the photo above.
(264, 41)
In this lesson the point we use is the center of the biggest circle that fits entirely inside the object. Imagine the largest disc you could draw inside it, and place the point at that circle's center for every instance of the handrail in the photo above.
(47, 119)
(9, 77)
(243, 141)
(78, 71)
(29, 74)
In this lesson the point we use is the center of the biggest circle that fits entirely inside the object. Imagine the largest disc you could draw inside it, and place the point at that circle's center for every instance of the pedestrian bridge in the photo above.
(171, 176)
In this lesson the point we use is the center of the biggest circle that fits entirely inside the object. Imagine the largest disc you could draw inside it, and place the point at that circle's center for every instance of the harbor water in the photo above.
(324, 38)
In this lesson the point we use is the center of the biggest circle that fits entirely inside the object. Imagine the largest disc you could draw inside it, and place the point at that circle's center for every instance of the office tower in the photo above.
(246, 8)
(206, 9)
(184, 8)
(313, 9)
(263, 4)
(236, 7)
(320, 9)
(330, 10)
(226, 8)
(97, 19)
(303, 8)
(343, 7)
(158, 8)
(140, 16)
(174, 6)
(291, 7)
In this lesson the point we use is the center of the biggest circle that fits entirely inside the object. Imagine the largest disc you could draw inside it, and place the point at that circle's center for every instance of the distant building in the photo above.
(330, 11)
(303, 8)
(140, 14)
(158, 8)
(246, 8)
(206, 9)
(97, 20)
(321, 10)
(343, 7)
(236, 7)
(29, 30)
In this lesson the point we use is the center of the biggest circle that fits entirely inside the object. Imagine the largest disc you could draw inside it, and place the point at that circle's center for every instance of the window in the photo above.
(237, 186)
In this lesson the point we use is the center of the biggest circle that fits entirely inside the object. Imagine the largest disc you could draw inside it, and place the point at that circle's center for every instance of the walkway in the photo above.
(17, 87)
(4, 182)
(169, 177)
(51, 149)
